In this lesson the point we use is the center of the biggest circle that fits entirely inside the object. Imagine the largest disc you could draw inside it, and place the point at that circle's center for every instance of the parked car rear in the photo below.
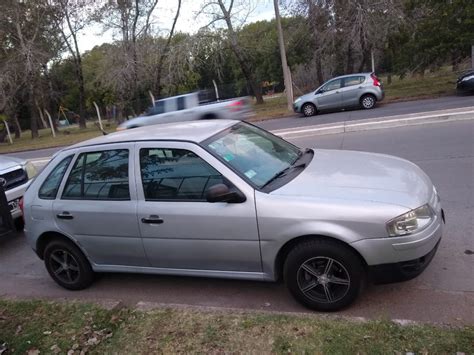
(362, 90)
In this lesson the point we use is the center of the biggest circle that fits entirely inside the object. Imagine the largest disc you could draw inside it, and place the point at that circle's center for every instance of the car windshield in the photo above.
(256, 154)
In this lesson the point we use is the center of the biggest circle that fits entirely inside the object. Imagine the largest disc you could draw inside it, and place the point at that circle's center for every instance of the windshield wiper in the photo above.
(283, 172)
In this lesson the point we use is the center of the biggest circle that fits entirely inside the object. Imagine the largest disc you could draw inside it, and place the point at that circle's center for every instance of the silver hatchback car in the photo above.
(354, 90)
(228, 199)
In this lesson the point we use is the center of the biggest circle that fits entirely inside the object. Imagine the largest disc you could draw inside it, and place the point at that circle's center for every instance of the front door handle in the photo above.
(65, 215)
(153, 219)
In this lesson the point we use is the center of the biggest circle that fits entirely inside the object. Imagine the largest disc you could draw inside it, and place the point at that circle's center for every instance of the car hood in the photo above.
(7, 163)
(350, 175)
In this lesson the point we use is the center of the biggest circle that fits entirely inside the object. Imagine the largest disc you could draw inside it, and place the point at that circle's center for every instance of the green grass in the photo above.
(50, 327)
(65, 136)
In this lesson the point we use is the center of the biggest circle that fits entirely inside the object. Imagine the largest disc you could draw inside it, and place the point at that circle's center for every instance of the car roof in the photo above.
(191, 131)
(348, 75)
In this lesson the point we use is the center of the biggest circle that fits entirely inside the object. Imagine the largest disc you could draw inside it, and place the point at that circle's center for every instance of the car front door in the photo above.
(97, 206)
(329, 96)
(352, 90)
(180, 229)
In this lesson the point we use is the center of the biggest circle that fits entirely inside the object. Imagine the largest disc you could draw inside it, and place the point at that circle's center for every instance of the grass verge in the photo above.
(65, 136)
(29, 326)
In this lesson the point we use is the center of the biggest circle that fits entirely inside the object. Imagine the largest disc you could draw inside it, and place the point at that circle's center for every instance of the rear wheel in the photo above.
(308, 110)
(323, 275)
(368, 101)
(67, 265)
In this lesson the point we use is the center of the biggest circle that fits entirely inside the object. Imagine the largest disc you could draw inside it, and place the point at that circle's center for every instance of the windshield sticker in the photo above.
(250, 173)
(213, 146)
(228, 157)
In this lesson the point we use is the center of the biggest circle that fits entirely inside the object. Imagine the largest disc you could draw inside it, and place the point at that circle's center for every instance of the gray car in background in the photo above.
(227, 199)
(355, 90)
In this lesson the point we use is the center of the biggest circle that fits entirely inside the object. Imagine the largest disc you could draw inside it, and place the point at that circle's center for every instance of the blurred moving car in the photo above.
(194, 106)
(465, 82)
(355, 90)
(227, 199)
(15, 177)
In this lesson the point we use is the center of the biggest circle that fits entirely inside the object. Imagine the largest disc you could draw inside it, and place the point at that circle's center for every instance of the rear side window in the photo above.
(175, 174)
(181, 103)
(50, 187)
(99, 176)
(354, 80)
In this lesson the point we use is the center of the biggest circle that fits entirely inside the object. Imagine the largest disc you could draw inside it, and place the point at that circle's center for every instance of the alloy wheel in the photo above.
(368, 102)
(323, 279)
(64, 266)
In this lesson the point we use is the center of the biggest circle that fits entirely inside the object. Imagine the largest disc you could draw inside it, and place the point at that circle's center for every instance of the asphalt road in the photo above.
(382, 110)
(443, 293)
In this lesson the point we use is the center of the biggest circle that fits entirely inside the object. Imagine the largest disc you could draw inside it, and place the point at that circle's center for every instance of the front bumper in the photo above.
(398, 250)
(402, 271)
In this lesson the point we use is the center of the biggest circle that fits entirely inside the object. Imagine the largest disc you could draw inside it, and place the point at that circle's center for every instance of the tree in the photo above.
(220, 10)
(70, 18)
(29, 43)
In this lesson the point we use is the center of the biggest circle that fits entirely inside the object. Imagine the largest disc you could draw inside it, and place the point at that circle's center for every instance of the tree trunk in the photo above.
(319, 71)
(33, 115)
(82, 94)
(17, 125)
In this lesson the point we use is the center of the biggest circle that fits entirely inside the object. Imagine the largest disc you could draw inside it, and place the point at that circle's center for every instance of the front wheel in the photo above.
(323, 275)
(308, 110)
(67, 265)
(368, 101)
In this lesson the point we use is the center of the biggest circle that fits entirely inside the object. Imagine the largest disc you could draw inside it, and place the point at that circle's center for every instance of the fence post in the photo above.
(98, 115)
(8, 131)
(50, 123)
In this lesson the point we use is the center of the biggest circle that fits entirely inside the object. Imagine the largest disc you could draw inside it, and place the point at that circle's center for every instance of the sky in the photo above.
(187, 20)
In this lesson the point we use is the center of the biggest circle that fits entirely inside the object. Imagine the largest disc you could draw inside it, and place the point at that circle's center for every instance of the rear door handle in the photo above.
(65, 215)
(153, 219)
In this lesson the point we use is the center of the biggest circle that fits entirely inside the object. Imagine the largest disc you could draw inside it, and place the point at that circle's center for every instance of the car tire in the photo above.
(19, 224)
(308, 110)
(67, 265)
(323, 275)
(368, 101)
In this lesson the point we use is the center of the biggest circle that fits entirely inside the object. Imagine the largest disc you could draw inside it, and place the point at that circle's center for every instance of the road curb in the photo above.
(379, 123)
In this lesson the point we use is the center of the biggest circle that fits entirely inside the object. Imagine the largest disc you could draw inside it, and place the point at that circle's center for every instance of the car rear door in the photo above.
(329, 96)
(180, 229)
(352, 90)
(97, 205)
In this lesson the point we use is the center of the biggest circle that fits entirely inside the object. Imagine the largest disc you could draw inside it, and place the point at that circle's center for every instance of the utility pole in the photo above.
(284, 64)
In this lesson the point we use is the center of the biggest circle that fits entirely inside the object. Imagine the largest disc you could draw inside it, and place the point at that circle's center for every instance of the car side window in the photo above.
(332, 85)
(50, 186)
(353, 80)
(181, 103)
(157, 109)
(99, 175)
(175, 174)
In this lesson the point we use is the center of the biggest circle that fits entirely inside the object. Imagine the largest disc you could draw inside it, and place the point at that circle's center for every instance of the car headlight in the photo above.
(410, 222)
(30, 170)
(298, 100)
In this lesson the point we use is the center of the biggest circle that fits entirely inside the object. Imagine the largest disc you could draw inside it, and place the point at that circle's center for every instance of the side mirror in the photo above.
(222, 193)
(320, 91)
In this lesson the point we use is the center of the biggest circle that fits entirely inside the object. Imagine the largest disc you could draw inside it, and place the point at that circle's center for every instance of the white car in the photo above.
(15, 176)
(190, 107)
